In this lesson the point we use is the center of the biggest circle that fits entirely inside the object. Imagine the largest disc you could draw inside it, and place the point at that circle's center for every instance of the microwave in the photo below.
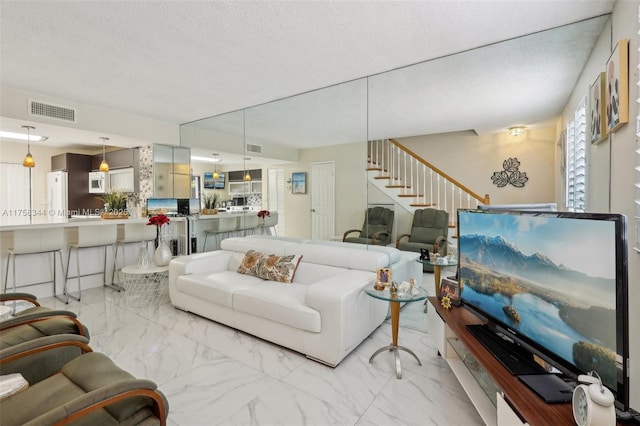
(98, 182)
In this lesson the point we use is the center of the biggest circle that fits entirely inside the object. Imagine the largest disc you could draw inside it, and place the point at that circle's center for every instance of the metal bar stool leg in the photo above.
(55, 292)
(6, 274)
(104, 272)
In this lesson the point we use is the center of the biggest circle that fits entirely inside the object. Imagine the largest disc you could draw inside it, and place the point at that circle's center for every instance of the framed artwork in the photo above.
(617, 87)
(211, 182)
(384, 276)
(451, 289)
(597, 109)
(299, 183)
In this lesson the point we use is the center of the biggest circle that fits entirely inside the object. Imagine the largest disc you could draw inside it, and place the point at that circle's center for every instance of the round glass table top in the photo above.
(453, 262)
(396, 297)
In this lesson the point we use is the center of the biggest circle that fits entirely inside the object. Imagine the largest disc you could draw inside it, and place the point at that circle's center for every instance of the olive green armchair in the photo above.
(36, 321)
(88, 389)
(429, 230)
(376, 230)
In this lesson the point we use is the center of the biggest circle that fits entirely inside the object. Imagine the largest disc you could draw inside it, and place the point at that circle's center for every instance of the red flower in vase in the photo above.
(158, 221)
(263, 213)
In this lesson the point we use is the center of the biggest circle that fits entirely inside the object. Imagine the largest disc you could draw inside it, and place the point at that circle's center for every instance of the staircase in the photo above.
(414, 183)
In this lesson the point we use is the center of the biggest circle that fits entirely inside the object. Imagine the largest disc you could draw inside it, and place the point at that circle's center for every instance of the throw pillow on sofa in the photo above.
(269, 266)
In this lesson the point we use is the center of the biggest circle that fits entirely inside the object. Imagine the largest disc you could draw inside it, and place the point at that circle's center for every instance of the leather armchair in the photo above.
(429, 230)
(37, 321)
(88, 389)
(376, 230)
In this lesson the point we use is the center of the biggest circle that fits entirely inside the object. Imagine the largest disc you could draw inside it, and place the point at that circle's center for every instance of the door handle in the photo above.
(313, 210)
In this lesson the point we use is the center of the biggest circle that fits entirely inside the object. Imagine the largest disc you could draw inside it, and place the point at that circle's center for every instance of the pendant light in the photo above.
(28, 159)
(247, 177)
(104, 167)
(216, 175)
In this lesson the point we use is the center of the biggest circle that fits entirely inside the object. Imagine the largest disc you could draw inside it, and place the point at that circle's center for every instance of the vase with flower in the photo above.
(162, 255)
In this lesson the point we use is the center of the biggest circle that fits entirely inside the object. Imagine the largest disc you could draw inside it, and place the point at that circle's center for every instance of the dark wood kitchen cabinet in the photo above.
(77, 167)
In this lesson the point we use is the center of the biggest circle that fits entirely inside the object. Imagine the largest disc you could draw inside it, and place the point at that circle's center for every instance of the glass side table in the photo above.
(437, 270)
(394, 300)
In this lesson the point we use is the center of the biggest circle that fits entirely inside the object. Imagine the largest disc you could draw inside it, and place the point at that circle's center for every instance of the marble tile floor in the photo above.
(215, 375)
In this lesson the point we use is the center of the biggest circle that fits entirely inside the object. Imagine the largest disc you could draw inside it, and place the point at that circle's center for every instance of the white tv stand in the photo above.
(500, 398)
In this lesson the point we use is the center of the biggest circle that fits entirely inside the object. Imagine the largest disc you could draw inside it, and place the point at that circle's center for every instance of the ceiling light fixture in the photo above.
(247, 176)
(216, 175)
(517, 130)
(104, 166)
(28, 159)
(22, 136)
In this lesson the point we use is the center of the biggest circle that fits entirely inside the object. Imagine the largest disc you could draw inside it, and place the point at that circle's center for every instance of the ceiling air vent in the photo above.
(57, 112)
(256, 149)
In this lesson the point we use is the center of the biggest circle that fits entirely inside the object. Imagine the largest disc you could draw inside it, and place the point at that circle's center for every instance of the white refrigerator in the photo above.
(57, 197)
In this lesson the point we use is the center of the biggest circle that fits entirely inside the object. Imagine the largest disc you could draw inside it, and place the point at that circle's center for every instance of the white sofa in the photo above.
(324, 313)
(403, 264)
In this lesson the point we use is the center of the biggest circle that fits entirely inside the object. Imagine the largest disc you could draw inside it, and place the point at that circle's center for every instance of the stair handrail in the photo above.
(484, 200)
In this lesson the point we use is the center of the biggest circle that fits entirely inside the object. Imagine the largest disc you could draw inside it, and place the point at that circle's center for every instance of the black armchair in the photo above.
(376, 230)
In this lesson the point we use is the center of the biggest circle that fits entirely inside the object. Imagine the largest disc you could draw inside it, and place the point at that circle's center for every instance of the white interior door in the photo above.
(322, 191)
(275, 197)
(15, 193)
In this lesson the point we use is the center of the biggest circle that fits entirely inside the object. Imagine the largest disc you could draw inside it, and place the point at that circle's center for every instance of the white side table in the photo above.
(145, 284)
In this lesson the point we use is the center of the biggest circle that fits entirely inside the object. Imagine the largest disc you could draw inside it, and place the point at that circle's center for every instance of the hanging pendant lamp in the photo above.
(216, 175)
(28, 159)
(104, 167)
(247, 177)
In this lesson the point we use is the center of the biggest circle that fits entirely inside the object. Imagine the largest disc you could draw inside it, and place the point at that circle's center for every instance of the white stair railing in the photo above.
(415, 183)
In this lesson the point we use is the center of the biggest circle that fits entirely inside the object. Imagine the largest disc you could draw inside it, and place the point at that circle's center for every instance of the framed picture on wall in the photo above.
(617, 87)
(299, 183)
(597, 109)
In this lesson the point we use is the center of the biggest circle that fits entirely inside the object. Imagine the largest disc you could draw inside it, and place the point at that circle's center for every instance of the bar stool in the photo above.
(91, 236)
(225, 225)
(131, 233)
(248, 223)
(32, 242)
(268, 223)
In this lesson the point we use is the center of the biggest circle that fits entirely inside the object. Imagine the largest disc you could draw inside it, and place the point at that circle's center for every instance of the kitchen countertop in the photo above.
(95, 220)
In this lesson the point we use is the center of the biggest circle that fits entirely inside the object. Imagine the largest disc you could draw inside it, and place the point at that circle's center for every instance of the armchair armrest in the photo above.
(43, 357)
(401, 237)
(42, 344)
(42, 316)
(6, 297)
(442, 248)
(381, 236)
(105, 396)
(344, 236)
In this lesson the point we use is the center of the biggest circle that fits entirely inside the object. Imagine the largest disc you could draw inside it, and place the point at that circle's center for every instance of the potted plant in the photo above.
(211, 202)
(115, 205)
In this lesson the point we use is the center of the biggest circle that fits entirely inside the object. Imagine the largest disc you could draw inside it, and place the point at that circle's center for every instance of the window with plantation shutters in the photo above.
(576, 160)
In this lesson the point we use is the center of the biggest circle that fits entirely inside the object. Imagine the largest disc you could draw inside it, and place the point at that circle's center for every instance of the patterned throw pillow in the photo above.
(249, 264)
(269, 266)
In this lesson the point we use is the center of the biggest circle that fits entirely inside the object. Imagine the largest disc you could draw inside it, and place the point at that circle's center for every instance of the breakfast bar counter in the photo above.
(34, 272)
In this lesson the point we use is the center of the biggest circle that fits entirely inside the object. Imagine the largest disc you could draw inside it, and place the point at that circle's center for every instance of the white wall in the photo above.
(616, 192)
(14, 104)
(15, 152)
(472, 159)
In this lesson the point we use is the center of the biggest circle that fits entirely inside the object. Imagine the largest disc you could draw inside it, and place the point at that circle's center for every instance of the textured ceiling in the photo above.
(180, 61)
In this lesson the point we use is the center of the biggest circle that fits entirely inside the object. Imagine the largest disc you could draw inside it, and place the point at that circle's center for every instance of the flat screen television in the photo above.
(166, 206)
(214, 183)
(553, 283)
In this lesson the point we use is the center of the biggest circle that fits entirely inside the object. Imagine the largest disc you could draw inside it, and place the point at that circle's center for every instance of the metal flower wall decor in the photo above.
(510, 174)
